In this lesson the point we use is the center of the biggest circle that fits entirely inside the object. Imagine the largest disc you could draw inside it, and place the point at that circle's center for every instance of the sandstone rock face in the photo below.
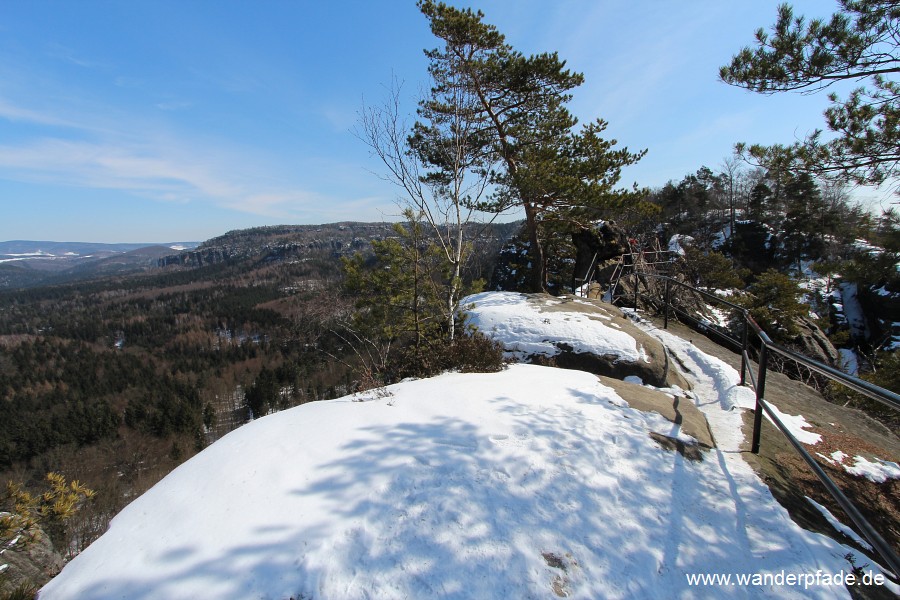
(34, 564)
(607, 242)
(813, 342)
(653, 366)
(572, 333)
(678, 409)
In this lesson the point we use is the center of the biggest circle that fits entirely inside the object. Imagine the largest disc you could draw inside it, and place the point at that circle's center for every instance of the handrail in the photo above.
(758, 383)
(886, 397)
(590, 273)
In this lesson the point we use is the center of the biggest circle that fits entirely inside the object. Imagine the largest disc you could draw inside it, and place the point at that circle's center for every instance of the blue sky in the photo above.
(160, 121)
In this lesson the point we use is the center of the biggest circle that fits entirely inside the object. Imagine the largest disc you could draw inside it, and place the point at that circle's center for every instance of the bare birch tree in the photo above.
(438, 166)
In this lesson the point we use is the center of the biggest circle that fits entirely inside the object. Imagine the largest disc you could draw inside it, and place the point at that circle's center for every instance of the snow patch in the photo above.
(838, 526)
(677, 243)
(853, 311)
(878, 471)
(849, 361)
(797, 425)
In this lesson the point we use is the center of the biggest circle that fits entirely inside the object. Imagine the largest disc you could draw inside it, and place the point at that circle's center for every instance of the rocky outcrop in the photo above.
(33, 564)
(196, 258)
(599, 247)
(678, 409)
(653, 366)
(813, 342)
(572, 333)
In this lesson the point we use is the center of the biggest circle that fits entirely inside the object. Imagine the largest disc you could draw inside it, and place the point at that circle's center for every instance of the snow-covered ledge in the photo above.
(571, 332)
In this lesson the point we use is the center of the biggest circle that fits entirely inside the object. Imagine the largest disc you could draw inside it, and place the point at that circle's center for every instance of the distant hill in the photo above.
(26, 263)
(28, 250)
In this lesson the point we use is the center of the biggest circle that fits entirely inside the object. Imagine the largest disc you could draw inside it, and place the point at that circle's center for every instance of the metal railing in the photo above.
(767, 348)
(628, 261)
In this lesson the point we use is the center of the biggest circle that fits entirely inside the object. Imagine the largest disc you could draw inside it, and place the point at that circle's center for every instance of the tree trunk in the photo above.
(536, 250)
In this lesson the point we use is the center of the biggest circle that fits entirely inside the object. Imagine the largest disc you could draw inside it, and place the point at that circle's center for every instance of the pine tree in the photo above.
(760, 197)
(859, 43)
(547, 169)
(398, 297)
(23, 512)
(803, 228)
(773, 301)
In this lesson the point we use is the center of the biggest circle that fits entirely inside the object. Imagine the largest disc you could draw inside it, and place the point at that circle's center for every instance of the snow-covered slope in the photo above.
(529, 483)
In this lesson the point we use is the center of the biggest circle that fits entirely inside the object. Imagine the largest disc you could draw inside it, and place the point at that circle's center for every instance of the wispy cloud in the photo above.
(92, 164)
(341, 119)
(12, 112)
(136, 159)
(125, 81)
(68, 55)
(166, 175)
(174, 105)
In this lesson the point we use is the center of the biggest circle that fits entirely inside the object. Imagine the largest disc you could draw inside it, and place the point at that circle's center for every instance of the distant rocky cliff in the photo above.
(282, 242)
(299, 242)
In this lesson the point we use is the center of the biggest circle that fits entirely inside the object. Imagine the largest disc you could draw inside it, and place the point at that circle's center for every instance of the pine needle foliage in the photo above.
(859, 43)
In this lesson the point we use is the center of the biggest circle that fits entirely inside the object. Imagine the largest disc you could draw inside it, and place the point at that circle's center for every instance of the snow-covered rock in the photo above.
(571, 332)
(677, 243)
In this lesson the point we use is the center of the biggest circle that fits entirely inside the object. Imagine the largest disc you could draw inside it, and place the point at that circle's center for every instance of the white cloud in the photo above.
(68, 55)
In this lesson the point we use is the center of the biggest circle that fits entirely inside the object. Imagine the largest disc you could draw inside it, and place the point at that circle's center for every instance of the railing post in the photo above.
(744, 350)
(637, 282)
(666, 308)
(760, 393)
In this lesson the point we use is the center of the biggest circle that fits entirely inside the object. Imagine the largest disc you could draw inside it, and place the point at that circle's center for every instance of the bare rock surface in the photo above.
(674, 407)
(32, 564)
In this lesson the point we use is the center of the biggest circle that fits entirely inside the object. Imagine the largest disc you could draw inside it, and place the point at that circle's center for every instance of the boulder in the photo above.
(572, 333)
(813, 342)
(601, 245)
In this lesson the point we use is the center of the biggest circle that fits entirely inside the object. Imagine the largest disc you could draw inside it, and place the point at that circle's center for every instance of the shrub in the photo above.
(24, 512)
(712, 269)
(471, 352)
(474, 353)
(773, 301)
